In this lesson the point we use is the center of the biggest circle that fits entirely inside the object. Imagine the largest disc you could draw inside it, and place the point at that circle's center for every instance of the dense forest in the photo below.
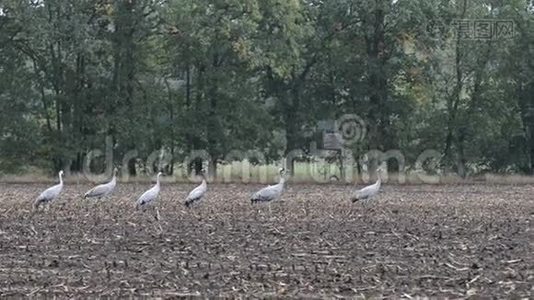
(453, 76)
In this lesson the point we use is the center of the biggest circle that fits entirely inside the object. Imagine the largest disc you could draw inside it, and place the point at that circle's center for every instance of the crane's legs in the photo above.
(158, 218)
(366, 205)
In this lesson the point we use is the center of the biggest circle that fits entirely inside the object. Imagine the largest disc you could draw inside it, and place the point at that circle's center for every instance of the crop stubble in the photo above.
(450, 241)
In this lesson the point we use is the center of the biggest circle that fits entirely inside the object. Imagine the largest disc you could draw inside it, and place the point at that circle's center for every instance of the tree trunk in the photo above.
(292, 126)
(524, 94)
(377, 80)
(452, 137)
(131, 167)
(213, 131)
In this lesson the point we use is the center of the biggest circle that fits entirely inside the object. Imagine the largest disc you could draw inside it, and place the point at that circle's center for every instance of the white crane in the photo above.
(197, 193)
(103, 190)
(51, 193)
(369, 191)
(271, 192)
(148, 197)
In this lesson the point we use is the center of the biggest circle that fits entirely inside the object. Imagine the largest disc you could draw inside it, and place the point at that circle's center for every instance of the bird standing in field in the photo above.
(271, 192)
(103, 190)
(147, 198)
(197, 193)
(50, 194)
(368, 192)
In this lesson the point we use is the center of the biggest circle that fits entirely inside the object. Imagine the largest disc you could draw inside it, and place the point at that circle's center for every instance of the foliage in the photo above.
(236, 75)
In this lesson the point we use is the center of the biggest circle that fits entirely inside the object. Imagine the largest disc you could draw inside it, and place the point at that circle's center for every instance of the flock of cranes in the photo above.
(148, 198)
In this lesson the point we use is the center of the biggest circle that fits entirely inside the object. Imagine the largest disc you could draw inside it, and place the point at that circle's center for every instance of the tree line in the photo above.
(221, 75)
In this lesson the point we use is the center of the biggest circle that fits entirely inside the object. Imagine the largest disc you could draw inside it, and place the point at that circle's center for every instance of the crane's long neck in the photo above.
(378, 179)
(282, 180)
(60, 178)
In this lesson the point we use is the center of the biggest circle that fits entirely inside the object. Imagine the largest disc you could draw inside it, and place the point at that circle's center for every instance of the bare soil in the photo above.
(455, 241)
